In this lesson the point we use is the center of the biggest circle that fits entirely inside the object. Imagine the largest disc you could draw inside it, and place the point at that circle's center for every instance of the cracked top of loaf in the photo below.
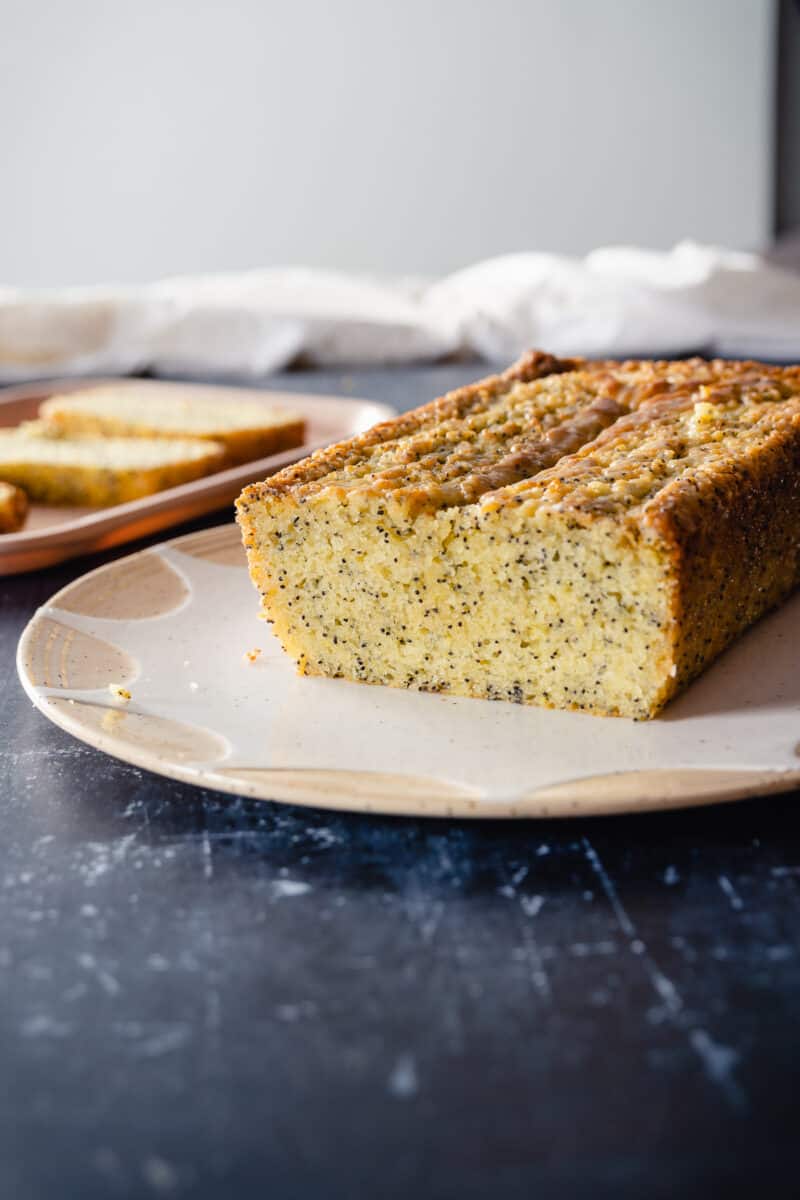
(591, 437)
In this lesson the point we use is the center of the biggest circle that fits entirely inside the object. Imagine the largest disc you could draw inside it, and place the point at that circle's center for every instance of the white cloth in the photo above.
(616, 301)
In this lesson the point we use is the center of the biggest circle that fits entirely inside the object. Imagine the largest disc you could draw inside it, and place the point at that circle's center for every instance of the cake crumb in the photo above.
(119, 692)
(252, 655)
(111, 719)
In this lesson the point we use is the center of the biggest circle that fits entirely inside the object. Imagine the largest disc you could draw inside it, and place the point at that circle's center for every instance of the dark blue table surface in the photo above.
(206, 996)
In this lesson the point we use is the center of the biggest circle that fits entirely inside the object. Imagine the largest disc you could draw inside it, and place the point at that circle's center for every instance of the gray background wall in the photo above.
(163, 136)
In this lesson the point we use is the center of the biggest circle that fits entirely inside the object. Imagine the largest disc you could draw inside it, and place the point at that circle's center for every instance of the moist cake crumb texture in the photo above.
(570, 534)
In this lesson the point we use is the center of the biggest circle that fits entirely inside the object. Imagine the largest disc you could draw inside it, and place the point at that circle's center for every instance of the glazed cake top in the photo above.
(599, 437)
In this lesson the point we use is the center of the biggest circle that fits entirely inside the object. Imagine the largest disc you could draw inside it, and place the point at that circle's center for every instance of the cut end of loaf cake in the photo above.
(487, 604)
(566, 534)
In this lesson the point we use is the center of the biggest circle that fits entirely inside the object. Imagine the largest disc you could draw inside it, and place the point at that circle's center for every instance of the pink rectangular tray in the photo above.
(53, 533)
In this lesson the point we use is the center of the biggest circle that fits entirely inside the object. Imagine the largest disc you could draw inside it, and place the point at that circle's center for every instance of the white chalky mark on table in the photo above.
(531, 905)
(403, 1082)
(208, 862)
(42, 1026)
(585, 949)
(164, 1042)
(160, 1175)
(718, 1061)
(286, 888)
(104, 856)
(735, 900)
(106, 980)
(532, 954)
(324, 838)
(429, 920)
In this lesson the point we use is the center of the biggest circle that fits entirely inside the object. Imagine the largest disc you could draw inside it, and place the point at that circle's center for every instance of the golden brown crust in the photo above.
(734, 540)
(504, 429)
(452, 406)
(13, 507)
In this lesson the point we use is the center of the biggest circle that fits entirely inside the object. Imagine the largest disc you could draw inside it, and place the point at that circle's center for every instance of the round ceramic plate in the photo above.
(215, 701)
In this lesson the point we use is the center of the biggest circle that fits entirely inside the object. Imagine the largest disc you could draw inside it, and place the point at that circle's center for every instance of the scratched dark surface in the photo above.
(203, 996)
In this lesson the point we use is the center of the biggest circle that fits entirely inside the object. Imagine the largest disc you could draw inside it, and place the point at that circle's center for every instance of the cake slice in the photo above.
(13, 507)
(247, 427)
(101, 471)
(577, 535)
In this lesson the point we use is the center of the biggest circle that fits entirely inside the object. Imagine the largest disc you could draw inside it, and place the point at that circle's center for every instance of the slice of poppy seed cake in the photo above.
(236, 418)
(571, 534)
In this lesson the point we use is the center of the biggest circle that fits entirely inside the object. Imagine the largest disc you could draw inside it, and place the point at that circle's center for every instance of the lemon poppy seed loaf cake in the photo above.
(237, 419)
(577, 535)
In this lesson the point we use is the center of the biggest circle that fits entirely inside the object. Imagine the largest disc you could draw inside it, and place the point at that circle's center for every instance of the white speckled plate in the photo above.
(173, 624)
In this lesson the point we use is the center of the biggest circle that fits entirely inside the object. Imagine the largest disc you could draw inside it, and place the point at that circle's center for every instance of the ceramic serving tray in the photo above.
(215, 701)
(53, 533)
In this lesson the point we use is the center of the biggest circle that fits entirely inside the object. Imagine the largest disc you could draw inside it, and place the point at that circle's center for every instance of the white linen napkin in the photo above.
(615, 301)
